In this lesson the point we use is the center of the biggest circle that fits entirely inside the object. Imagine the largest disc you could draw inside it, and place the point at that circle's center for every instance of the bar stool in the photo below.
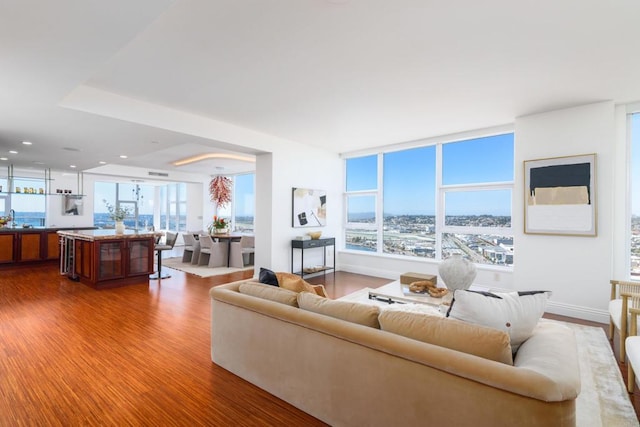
(170, 241)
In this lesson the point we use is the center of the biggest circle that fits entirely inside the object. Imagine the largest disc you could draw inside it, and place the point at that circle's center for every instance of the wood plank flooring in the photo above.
(137, 355)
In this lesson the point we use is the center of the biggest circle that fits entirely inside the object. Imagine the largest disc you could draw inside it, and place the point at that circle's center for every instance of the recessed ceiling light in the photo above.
(102, 163)
(13, 152)
(27, 142)
(3, 158)
(123, 156)
(72, 166)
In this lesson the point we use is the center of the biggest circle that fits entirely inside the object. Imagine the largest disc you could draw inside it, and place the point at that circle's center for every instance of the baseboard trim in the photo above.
(585, 313)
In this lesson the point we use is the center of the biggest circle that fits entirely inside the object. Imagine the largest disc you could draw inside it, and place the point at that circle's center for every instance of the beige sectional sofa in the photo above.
(348, 374)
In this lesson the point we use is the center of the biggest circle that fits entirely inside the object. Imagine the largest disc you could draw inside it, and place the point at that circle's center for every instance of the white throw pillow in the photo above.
(510, 312)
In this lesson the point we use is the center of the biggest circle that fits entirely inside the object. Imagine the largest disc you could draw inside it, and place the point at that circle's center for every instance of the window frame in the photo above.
(440, 193)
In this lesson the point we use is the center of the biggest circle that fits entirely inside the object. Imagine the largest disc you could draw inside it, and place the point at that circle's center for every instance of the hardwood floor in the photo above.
(136, 355)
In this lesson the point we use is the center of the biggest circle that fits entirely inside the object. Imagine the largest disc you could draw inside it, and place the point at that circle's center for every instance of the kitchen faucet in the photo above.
(12, 214)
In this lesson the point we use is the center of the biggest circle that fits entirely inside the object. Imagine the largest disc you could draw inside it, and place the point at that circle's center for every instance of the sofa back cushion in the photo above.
(411, 322)
(269, 292)
(363, 314)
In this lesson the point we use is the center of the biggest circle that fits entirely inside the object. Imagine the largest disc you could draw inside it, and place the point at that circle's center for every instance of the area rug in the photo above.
(603, 399)
(200, 270)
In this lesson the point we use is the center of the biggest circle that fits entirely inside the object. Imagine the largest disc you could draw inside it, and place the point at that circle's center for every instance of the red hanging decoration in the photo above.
(220, 191)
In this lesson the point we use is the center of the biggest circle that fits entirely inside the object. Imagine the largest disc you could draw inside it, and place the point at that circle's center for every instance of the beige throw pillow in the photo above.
(269, 292)
(354, 312)
(295, 283)
(461, 336)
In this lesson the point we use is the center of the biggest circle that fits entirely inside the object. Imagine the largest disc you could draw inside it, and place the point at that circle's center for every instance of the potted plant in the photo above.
(218, 226)
(118, 214)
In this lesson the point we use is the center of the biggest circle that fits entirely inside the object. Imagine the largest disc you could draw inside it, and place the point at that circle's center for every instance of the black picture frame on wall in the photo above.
(560, 196)
(309, 207)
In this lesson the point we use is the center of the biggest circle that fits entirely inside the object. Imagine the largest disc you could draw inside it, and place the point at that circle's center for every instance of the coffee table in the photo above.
(394, 293)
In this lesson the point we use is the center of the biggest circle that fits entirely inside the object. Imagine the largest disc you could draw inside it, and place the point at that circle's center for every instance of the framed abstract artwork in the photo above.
(309, 207)
(560, 196)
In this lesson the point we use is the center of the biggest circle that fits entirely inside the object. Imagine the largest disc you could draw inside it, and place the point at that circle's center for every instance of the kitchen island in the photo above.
(103, 259)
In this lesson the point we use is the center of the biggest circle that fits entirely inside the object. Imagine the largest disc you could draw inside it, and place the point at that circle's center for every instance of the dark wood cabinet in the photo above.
(7, 247)
(30, 246)
(106, 261)
(52, 245)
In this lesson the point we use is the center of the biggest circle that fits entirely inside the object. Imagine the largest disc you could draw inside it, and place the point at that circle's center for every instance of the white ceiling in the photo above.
(338, 74)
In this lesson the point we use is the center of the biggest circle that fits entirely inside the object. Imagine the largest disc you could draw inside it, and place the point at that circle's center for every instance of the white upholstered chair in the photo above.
(624, 295)
(241, 252)
(213, 254)
(632, 345)
(191, 247)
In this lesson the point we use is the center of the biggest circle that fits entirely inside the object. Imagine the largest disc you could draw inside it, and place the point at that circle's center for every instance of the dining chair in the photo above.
(241, 252)
(170, 242)
(219, 255)
(205, 249)
(191, 246)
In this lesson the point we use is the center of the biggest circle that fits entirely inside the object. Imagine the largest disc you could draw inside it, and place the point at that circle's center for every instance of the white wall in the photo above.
(576, 269)
(291, 166)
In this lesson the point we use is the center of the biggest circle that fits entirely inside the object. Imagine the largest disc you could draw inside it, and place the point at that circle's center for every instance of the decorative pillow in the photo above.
(517, 314)
(261, 290)
(267, 277)
(295, 283)
(354, 312)
(424, 325)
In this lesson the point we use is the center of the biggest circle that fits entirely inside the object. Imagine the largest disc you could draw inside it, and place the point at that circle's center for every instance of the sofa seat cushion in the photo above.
(354, 312)
(269, 292)
(517, 314)
(423, 324)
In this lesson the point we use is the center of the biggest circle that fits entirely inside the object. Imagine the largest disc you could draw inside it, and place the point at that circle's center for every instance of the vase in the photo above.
(457, 272)
(119, 227)
(219, 231)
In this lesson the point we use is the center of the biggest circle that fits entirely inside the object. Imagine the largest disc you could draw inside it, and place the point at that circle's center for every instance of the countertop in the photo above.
(20, 229)
(107, 234)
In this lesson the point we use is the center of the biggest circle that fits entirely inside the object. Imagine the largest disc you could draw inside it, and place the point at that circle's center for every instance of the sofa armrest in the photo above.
(552, 352)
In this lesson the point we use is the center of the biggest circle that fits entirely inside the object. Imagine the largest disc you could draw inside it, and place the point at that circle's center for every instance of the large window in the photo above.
(434, 201)
(29, 208)
(173, 207)
(243, 200)
(138, 199)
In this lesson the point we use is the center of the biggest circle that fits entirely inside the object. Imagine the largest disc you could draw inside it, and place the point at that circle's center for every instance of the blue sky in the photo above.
(244, 195)
(409, 177)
